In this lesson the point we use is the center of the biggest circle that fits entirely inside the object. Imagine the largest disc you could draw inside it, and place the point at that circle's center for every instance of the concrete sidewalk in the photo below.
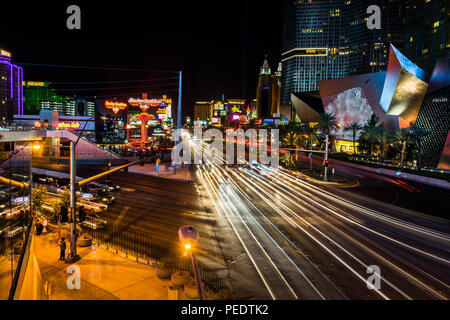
(104, 275)
(150, 169)
(5, 274)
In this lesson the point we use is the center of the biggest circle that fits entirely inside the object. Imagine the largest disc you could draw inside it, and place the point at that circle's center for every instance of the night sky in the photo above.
(216, 43)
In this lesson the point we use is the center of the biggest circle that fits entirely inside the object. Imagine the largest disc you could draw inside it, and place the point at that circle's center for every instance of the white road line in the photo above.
(122, 214)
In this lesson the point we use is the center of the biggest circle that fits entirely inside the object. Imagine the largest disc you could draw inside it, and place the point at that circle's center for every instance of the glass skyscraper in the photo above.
(330, 39)
(426, 31)
(313, 33)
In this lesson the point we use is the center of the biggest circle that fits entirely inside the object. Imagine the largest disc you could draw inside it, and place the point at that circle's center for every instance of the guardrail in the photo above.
(19, 273)
(143, 245)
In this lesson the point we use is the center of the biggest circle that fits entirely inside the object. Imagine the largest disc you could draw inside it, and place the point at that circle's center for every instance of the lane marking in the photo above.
(120, 217)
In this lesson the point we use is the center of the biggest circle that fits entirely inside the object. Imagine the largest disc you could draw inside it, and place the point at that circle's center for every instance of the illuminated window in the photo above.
(436, 24)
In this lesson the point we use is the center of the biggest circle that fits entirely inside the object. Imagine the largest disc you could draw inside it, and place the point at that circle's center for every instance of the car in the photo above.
(81, 194)
(109, 185)
(93, 188)
(63, 182)
(19, 200)
(105, 197)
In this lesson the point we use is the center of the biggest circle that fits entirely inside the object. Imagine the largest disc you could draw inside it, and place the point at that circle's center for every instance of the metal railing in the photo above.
(142, 245)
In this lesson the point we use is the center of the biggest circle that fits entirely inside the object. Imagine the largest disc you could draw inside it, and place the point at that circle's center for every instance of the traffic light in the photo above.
(326, 163)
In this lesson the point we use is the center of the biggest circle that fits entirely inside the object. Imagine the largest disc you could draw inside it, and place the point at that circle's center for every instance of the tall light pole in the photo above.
(73, 202)
(36, 147)
(73, 193)
(326, 159)
(189, 238)
(180, 91)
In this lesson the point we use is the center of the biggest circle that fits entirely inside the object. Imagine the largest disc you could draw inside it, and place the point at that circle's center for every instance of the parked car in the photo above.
(105, 197)
(93, 188)
(109, 185)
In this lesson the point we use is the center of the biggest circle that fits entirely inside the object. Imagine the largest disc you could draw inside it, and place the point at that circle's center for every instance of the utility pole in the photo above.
(180, 90)
(73, 196)
(31, 182)
(326, 159)
(73, 202)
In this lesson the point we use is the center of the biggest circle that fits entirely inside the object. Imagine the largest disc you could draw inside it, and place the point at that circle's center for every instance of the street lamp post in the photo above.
(73, 199)
(189, 237)
(73, 202)
(36, 147)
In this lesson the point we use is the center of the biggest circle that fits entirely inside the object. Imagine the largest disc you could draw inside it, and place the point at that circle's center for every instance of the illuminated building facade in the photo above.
(426, 34)
(203, 110)
(110, 125)
(404, 88)
(434, 116)
(11, 89)
(329, 39)
(34, 93)
(225, 112)
(148, 118)
(268, 92)
(64, 105)
(368, 49)
(313, 32)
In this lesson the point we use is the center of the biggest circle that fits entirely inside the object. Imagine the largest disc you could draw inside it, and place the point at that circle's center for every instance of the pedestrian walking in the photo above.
(39, 227)
(62, 246)
(44, 225)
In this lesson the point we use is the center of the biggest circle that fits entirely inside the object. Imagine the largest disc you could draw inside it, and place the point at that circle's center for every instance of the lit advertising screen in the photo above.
(348, 106)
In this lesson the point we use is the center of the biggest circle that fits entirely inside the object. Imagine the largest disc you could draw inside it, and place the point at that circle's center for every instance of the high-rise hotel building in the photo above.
(426, 31)
(330, 39)
(11, 89)
(313, 33)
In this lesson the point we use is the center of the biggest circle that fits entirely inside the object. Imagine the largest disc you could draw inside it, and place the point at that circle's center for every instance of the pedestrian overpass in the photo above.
(54, 146)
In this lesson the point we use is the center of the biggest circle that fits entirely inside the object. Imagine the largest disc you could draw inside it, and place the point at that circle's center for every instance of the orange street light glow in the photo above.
(187, 246)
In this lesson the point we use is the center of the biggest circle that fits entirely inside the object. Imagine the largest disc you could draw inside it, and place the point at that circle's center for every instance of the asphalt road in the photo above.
(397, 191)
(309, 243)
(286, 238)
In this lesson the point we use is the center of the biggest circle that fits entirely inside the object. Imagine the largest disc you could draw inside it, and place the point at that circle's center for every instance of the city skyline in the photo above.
(243, 152)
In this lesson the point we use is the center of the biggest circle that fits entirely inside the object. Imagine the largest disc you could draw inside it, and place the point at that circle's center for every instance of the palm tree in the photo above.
(353, 127)
(371, 132)
(401, 137)
(417, 133)
(327, 123)
(383, 138)
(291, 139)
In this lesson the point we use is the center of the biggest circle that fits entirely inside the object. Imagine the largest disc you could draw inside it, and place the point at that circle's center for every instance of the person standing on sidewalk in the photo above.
(44, 225)
(62, 246)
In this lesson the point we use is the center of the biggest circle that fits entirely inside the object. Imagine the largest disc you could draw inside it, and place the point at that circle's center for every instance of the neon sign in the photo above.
(5, 53)
(66, 125)
(235, 117)
(144, 117)
(147, 102)
(161, 111)
(35, 84)
(115, 106)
